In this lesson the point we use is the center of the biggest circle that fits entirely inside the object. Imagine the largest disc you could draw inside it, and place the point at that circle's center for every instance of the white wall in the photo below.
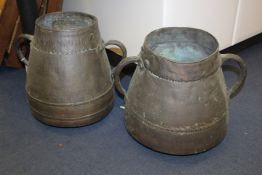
(249, 20)
(214, 16)
(128, 21)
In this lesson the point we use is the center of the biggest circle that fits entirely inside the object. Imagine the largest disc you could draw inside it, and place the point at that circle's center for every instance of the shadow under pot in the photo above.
(177, 101)
(69, 80)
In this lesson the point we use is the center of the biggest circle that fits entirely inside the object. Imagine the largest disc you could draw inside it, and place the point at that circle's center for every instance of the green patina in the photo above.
(184, 52)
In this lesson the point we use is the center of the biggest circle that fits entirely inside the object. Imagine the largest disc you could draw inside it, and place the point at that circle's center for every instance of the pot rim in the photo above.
(41, 18)
(210, 56)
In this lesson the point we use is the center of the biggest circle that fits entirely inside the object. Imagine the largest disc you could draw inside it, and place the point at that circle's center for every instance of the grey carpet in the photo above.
(28, 147)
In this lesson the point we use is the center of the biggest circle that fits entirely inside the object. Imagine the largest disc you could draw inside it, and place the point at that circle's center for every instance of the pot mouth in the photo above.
(66, 21)
(181, 44)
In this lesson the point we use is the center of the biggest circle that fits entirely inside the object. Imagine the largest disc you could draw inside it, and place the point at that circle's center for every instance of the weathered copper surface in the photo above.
(177, 101)
(69, 81)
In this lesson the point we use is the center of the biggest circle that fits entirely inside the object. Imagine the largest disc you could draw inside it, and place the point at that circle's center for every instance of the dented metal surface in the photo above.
(178, 106)
(69, 82)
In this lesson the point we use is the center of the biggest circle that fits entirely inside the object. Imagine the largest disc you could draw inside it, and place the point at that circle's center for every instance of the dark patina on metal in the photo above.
(69, 81)
(177, 101)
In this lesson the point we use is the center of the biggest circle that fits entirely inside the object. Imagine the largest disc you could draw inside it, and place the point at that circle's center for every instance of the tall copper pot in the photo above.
(69, 81)
(177, 101)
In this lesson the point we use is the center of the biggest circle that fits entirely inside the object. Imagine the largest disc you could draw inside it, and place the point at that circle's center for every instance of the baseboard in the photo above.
(243, 44)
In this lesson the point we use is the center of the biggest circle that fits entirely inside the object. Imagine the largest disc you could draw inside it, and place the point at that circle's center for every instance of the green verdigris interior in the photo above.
(65, 21)
(183, 45)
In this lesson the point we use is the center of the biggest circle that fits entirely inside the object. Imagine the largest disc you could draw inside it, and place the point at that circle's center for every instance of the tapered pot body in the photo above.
(69, 80)
(177, 100)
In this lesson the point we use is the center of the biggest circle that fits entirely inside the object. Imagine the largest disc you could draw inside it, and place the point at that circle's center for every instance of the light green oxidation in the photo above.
(184, 52)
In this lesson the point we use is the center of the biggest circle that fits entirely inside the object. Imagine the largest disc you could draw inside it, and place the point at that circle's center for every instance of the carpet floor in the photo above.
(28, 147)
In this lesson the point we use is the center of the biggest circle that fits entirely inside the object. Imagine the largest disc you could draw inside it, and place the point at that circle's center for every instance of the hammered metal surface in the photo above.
(177, 100)
(69, 82)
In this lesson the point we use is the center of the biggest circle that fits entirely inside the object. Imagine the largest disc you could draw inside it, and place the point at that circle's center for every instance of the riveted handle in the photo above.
(242, 75)
(118, 70)
(119, 44)
(19, 52)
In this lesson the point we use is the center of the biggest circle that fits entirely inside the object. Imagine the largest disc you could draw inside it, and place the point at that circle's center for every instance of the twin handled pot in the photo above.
(69, 81)
(177, 101)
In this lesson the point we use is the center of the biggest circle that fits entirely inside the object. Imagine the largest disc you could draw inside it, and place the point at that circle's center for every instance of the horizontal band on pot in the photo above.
(168, 69)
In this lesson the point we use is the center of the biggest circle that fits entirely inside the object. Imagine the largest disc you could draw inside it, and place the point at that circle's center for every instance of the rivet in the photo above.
(147, 63)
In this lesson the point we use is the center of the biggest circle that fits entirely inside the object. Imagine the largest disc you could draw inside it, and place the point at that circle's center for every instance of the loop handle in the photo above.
(119, 44)
(232, 92)
(118, 70)
(19, 52)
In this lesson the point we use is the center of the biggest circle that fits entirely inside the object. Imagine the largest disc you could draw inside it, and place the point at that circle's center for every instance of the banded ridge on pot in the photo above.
(178, 105)
(69, 81)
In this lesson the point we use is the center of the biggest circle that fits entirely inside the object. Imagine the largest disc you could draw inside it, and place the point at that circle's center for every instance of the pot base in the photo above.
(73, 115)
(74, 122)
(175, 142)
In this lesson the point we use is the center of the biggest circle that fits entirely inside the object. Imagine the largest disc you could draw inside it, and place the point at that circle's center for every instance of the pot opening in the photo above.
(65, 21)
(182, 45)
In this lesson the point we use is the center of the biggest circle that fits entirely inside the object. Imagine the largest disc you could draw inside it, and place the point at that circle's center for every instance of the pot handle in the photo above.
(232, 92)
(119, 44)
(119, 68)
(19, 52)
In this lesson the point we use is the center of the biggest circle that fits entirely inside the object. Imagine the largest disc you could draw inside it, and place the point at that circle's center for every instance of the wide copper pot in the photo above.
(177, 101)
(69, 81)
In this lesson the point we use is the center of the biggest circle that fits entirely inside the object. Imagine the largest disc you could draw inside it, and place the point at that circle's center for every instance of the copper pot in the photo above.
(177, 101)
(69, 81)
